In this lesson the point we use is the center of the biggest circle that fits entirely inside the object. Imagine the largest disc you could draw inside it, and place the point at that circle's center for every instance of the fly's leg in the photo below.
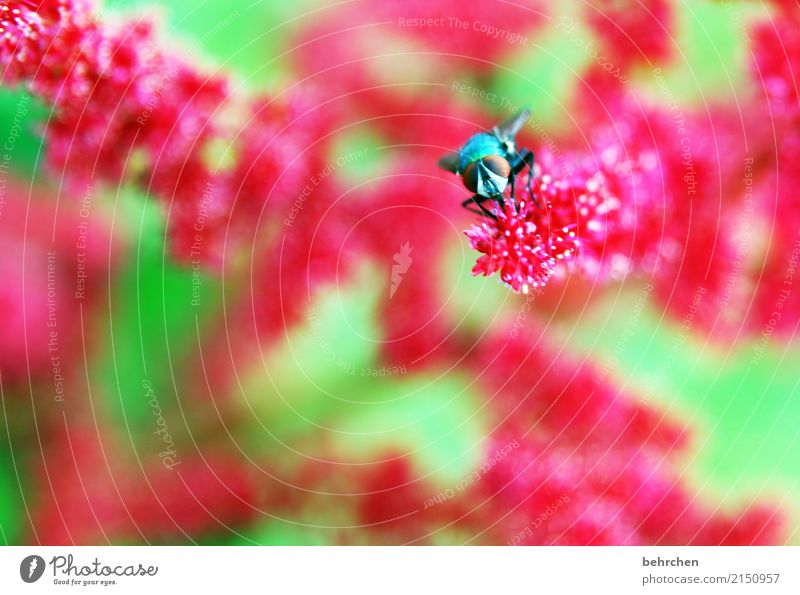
(523, 159)
(478, 200)
(512, 181)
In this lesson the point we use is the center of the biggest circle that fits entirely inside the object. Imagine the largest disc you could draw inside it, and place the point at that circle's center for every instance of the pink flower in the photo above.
(51, 271)
(343, 44)
(126, 110)
(515, 246)
(88, 493)
(572, 460)
(538, 491)
(27, 29)
(481, 34)
(633, 31)
(526, 242)
(679, 176)
(576, 460)
(776, 47)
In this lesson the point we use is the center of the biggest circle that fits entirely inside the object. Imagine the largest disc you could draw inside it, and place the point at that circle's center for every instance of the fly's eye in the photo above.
(494, 163)
(497, 165)
(470, 177)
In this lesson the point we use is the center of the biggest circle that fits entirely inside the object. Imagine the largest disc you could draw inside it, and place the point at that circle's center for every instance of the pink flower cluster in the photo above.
(584, 441)
(571, 460)
(126, 110)
(89, 493)
(47, 282)
(633, 32)
(556, 218)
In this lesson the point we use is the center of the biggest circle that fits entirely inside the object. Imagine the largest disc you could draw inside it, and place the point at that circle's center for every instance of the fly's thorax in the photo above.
(478, 146)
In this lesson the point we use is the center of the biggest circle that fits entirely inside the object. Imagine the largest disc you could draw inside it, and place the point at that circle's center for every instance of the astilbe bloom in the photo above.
(27, 29)
(632, 31)
(683, 201)
(392, 491)
(347, 45)
(125, 109)
(526, 241)
(55, 257)
(588, 463)
(711, 212)
(266, 162)
(120, 104)
(515, 246)
(535, 388)
(572, 460)
(546, 493)
(386, 501)
(20, 31)
(87, 492)
(403, 226)
(144, 115)
(623, 205)
(775, 43)
(776, 46)
(112, 91)
(483, 33)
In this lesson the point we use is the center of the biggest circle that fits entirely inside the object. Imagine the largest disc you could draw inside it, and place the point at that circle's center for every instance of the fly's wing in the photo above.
(450, 162)
(507, 130)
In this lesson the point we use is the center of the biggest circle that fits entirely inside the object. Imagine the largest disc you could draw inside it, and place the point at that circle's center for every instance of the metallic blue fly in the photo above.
(489, 162)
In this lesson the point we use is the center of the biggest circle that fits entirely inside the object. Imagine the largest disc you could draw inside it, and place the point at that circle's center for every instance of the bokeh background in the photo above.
(239, 399)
